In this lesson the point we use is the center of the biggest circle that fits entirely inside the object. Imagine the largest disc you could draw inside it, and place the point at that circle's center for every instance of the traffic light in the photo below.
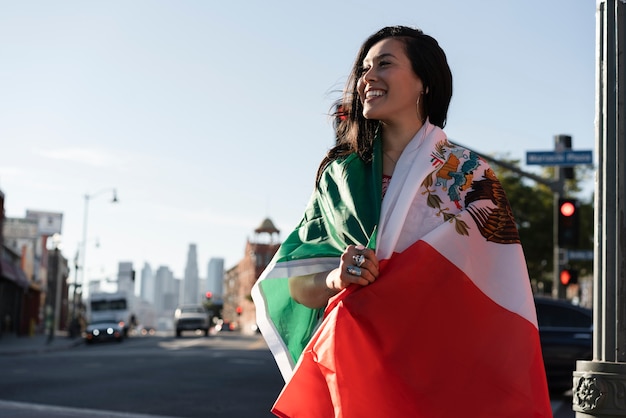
(568, 223)
(568, 276)
(208, 295)
(239, 310)
(564, 143)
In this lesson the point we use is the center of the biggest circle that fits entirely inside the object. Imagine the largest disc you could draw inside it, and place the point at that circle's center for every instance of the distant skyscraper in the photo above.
(125, 278)
(191, 292)
(163, 289)
(215, 277)
(146, 287)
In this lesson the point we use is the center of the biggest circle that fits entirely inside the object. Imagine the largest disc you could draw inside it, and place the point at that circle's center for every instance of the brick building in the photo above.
(238, 281)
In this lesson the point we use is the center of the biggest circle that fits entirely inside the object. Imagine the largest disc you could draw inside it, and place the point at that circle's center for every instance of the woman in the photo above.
(403, 291)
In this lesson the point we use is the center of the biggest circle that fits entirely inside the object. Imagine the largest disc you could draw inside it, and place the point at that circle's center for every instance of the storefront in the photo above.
(14, 286)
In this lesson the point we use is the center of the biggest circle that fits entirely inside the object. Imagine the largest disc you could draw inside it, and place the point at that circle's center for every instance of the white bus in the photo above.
(117, 307)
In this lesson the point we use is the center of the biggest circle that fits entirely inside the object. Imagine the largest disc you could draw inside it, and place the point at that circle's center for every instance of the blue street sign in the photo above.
(581, 255)
(566, 158)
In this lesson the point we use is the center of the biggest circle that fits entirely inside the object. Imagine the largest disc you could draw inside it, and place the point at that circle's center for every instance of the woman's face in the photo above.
(388, 87)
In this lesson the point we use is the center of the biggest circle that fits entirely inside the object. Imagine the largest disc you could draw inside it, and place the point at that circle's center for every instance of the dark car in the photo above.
(566, 332)
(222, 325)
(105, 330)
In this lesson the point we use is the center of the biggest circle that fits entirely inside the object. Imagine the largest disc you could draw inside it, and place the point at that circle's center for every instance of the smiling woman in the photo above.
(404, 227)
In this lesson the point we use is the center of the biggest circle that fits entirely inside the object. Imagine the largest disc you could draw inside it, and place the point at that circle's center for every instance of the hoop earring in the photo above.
(417, 108)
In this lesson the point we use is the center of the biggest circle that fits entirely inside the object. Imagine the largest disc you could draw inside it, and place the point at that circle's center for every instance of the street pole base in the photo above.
(599, 389)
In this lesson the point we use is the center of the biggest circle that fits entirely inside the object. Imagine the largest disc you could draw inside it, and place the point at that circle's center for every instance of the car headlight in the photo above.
(95, 332)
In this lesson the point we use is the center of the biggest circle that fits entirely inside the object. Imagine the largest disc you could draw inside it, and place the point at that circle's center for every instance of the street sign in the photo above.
(580, 255)
(565, 158)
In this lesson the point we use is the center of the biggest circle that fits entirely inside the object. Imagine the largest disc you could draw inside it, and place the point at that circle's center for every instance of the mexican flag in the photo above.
(447, 330)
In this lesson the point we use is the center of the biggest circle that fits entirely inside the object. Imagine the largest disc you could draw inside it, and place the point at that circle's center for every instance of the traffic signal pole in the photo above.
(558, 291)
(599, 386)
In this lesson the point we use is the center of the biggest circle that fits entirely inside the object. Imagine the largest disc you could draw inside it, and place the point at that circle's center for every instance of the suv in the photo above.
(566, 332)
(191, 318)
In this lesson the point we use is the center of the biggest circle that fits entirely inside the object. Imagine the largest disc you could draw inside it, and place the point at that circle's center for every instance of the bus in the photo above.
(117, 307)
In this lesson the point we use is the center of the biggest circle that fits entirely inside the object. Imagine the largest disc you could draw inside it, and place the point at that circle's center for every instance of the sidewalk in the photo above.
(12, 344)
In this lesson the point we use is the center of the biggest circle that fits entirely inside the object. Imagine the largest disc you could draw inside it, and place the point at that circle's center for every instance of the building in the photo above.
(166, 296)
(24, 271)
(57, 308)
(21, 297)
(238, 281)
(215, 279)
(146, 286)
(190, 294)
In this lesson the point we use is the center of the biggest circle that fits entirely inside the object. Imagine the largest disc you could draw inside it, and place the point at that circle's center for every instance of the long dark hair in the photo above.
(354, 132)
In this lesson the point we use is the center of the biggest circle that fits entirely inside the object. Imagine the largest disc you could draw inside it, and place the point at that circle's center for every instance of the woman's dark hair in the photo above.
(354, 132)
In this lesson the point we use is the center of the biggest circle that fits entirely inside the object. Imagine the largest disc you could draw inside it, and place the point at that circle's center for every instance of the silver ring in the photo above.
(353, 270)
(359, 259)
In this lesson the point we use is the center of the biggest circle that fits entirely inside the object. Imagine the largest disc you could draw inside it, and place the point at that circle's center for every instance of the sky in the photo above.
(207, 117)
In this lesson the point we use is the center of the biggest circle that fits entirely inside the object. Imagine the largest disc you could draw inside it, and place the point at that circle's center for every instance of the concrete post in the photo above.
(599, 388)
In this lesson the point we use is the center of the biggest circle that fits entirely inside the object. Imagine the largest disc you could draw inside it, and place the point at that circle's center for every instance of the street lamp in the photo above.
(83, 250)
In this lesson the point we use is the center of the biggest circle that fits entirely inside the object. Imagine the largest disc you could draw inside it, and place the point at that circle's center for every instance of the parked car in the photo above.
(104, 330)
(191, 318)
(566, 332)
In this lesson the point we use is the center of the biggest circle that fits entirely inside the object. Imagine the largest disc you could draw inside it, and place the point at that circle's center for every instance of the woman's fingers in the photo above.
(358, 265)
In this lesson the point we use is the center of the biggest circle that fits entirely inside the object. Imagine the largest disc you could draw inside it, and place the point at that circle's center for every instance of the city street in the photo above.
(223, 375)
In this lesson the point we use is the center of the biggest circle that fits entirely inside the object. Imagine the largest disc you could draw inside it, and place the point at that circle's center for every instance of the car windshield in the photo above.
(108, 305)
(103, 321)
(193, 309)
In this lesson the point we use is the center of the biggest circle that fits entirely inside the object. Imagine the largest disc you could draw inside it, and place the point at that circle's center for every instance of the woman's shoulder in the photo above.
(341, 162)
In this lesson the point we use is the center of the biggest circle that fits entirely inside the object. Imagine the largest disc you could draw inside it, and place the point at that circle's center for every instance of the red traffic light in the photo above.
(239, 310)
(567, 208)
(568, 223)
(568, 276)
(208, 295)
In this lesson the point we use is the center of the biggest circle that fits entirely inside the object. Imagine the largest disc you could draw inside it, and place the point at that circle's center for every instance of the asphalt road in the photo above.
(224, 375)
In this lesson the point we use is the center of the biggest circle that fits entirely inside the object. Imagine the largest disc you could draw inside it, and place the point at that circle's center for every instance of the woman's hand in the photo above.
(358, 265)
(314, 290)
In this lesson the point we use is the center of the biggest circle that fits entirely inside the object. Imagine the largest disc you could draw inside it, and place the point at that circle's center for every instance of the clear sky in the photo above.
(209, 116)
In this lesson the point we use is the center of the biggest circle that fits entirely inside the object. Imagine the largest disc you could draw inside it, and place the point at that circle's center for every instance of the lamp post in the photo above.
(83, 245)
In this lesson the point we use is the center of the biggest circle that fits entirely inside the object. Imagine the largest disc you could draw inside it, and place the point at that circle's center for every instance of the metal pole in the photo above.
(600, 384)
(56, 308)
(83, 252)
(558, 291)
(83, 255)
(74, 317)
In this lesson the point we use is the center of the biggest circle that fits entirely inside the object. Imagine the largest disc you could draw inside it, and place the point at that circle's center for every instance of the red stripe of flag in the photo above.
(422, 341)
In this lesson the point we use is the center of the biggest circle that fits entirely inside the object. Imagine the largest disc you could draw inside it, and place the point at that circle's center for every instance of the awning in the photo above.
(14, 273)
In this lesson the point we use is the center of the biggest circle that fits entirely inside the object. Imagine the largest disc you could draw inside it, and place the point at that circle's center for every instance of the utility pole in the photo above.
(600, 385)
(561, 143)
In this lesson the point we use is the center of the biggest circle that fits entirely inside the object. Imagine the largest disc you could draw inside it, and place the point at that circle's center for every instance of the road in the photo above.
(224, 375)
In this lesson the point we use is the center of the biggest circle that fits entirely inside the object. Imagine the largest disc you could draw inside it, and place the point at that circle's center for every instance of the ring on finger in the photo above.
(354, 270)
(359, 259)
